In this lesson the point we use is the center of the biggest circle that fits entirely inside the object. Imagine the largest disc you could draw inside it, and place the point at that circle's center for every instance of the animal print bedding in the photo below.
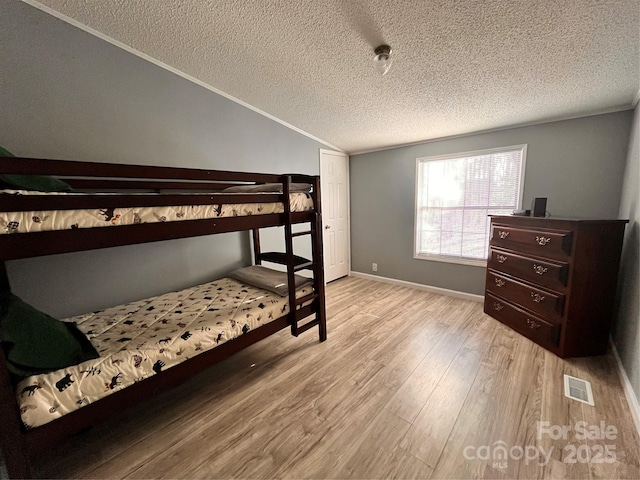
(140, 339)
(24, 222)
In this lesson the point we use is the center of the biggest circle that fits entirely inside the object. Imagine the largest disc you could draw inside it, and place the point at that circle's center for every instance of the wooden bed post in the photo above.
(4, 279)
(288, 239)
(318, 259)
(257, 257)
(12, 441)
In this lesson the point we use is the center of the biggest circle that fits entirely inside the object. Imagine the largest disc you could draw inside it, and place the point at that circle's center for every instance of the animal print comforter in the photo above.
(24, 222)
(140, 339)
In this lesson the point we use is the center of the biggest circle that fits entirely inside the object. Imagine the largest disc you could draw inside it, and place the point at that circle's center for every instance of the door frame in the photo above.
(323, 151)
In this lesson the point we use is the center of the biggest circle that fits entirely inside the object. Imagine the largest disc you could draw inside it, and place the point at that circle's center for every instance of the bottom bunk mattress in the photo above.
(140, 339)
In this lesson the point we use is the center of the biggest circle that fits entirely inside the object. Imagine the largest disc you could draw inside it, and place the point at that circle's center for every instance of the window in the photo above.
(454, 196)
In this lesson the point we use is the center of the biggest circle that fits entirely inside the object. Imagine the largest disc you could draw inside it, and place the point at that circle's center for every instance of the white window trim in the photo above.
(489, 151)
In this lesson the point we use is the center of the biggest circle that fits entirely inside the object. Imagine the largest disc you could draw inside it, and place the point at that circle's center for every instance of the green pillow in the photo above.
(35, 342)
(5, 153)
(40, 183)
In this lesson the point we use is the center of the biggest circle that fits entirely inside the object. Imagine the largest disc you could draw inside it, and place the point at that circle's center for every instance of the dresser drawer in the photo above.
(553, 244)
(529, 325)
(540, 301)
(548, 274)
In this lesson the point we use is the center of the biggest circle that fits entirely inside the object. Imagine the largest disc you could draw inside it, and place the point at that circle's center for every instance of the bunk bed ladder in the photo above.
(295, 263)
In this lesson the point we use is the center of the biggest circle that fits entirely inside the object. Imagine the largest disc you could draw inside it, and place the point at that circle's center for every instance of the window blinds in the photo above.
(456, 195)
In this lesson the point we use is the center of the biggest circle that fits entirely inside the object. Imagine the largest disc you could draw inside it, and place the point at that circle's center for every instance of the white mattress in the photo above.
(38, 221)
(137, 340)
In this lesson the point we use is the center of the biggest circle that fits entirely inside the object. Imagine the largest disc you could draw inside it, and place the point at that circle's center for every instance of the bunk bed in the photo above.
(113, 205)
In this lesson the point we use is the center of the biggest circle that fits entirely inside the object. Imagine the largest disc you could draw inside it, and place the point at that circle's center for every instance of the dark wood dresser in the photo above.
(554, 280)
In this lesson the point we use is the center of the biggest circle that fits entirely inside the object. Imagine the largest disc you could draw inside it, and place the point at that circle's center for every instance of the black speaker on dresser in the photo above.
(539, 207)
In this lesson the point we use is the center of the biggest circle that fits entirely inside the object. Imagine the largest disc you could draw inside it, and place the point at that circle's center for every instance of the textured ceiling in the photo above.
(460, 66)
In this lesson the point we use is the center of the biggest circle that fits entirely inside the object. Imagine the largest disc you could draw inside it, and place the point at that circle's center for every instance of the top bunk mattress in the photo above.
(48, 220)
(140, 339)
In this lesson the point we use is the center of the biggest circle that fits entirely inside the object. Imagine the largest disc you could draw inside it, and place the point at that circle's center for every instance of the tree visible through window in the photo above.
(456, 193)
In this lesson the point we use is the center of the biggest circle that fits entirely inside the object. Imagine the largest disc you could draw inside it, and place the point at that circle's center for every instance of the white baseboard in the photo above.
(419, 286)
(632, 400)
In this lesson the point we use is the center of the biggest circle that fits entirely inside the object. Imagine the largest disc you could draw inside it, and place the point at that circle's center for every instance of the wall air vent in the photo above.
(578, 389)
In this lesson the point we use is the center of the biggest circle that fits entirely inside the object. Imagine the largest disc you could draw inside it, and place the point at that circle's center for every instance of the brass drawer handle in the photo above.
(542, 241)
(539, 269)
(532, 325)
(499, 282)
(498, 306)
(537, 297)
(502, 234)
(501, 258)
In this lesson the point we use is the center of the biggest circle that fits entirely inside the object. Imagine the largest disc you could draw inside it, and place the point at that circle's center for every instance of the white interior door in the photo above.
(334, 185)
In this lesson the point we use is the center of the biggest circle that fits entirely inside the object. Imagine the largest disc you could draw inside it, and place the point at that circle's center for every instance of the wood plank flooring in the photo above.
(409, 385)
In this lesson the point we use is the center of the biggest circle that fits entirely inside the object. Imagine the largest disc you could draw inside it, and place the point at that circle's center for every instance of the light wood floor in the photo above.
(407, 383)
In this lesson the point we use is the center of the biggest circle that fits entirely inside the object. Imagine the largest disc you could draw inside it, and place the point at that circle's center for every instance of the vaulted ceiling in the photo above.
(460, 66)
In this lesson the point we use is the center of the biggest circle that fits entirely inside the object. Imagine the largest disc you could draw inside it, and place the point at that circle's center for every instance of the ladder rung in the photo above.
(281, 258)
(307, 326)
(299, 234)
(304, 312)
(302, 266)
(306, 298)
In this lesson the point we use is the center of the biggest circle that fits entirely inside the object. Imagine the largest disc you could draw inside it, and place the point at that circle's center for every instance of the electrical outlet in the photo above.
(374, 267)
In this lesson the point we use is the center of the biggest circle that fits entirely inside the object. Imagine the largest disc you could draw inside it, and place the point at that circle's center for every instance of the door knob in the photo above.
(327, 227)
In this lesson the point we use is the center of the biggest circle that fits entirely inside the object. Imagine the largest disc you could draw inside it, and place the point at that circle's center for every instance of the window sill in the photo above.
(459, 261)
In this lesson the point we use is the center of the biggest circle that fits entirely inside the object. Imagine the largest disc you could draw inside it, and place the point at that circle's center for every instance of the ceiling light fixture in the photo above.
(383, 58)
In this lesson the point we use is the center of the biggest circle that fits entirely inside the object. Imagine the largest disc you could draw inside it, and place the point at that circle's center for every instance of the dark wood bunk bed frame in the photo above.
(18, 444)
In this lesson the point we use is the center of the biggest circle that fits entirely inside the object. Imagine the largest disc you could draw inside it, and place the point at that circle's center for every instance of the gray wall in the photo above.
(626, 332)
(69, 95)
(577, 164)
